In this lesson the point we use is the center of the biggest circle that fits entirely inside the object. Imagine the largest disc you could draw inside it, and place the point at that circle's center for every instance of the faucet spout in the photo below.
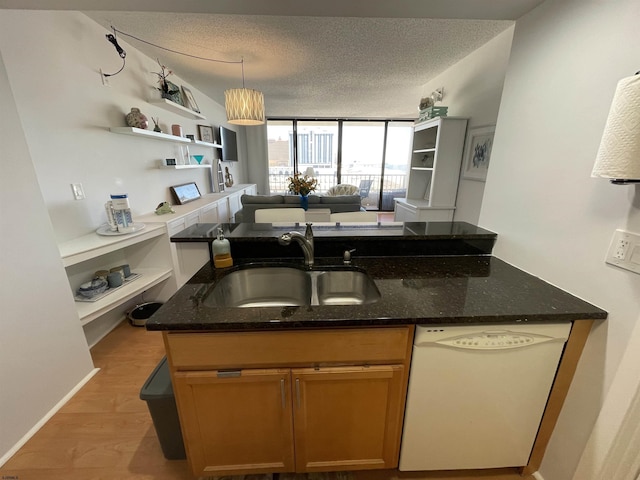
(305, 241)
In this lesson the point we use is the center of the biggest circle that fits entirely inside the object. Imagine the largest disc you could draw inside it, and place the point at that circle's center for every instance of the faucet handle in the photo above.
(346, 256)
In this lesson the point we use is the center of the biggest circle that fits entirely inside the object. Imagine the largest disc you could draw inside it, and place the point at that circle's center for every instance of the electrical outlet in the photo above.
(78, 191)
(624, 251)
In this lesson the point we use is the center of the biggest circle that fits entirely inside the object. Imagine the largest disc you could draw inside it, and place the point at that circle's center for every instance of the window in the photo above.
(372, 155)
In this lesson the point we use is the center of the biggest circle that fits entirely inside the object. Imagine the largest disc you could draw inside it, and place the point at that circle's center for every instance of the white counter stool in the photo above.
(269, 215)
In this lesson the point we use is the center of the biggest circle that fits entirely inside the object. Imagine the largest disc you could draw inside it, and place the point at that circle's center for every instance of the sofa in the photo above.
(337, 204)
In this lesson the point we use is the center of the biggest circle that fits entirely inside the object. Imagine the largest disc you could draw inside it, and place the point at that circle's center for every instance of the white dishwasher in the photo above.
(477, 394)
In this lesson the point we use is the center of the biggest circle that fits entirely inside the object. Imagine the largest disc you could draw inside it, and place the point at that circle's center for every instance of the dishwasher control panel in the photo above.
(489, 339)
(494, 340)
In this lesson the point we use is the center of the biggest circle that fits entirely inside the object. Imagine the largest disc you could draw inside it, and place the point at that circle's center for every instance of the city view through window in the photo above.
(372, 155)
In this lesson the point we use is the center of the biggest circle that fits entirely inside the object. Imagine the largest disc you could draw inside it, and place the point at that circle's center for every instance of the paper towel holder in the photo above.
(618, 157)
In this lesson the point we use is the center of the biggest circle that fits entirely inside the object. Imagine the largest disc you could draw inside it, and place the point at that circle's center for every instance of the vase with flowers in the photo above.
(303, 186)
(167, 89)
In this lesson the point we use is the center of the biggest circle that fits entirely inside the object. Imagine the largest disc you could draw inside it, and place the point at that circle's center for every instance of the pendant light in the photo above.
(244, 106)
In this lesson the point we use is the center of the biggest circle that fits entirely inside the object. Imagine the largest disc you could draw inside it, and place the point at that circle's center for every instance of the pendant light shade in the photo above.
(244, 106)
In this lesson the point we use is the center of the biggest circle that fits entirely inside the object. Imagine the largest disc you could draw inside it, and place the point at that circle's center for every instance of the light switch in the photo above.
(78, 191)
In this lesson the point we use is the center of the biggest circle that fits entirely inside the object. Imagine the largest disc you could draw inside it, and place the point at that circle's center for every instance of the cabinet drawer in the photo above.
(374, 345)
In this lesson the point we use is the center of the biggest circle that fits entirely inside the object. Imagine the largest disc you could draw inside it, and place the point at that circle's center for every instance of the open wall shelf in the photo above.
(175, 108)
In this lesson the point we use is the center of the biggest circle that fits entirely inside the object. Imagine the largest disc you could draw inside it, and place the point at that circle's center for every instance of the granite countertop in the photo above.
(331, 239)
(432, 290)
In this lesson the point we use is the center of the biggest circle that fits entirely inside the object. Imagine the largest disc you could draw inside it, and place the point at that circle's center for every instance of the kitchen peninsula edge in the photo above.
(421, 282)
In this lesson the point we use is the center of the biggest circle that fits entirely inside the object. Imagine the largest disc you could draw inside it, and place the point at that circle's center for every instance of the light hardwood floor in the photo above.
(105, 431)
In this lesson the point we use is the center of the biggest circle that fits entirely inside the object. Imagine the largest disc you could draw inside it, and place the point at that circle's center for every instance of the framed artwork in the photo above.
(185, 193)
(205, 133)
(188, 96)
(177, 96)
(477, 153)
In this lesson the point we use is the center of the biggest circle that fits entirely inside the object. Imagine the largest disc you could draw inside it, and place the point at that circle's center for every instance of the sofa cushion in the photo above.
(347, 199)
(268, 199)
(313, 199)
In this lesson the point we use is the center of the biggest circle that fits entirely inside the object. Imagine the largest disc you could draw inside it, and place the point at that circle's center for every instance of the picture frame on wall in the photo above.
(477, 153)
(190, 101)
(177, 96)
(205, 133)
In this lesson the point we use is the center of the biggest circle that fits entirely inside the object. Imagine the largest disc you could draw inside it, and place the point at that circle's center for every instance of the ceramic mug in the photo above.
(114, 279)
(101, 274)
(126, 270)
(119, 270)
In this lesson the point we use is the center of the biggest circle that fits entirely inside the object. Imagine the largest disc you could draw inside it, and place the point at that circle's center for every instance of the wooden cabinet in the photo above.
(347, 418)
(303, 401)
(237, 422)
(434, 171)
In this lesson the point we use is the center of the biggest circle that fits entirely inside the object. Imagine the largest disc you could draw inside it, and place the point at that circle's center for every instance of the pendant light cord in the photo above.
(115, 30)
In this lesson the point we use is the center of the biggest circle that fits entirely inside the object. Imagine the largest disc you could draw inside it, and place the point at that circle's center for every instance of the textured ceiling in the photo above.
(328, 59)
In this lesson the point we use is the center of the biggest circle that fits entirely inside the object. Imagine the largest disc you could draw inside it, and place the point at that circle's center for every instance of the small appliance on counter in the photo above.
(119, 217)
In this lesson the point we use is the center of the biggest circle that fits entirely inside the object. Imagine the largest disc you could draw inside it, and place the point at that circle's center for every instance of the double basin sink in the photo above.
(277, 286)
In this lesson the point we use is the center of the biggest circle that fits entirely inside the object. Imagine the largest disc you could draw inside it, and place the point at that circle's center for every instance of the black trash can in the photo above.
(158, 393)
(139, 315)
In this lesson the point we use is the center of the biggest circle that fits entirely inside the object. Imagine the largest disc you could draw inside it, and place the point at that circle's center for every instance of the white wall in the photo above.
(53, 61)
(54, 130)
(472, 89)
(43, 353)
(552, 219)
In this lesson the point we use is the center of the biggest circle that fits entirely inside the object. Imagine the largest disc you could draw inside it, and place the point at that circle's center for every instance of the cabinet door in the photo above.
(223, 211)
(234, 205)
(209, 213)
(347, 418)
(236, 424)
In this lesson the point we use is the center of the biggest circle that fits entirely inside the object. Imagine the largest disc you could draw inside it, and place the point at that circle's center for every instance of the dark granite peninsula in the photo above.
(427, 273)
(260, 389)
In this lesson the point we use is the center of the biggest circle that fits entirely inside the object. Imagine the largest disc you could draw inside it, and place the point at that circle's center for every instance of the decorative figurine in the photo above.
(164, 207)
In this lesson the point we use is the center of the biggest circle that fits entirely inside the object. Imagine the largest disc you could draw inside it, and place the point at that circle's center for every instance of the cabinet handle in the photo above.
(282, 394)
(298, 391)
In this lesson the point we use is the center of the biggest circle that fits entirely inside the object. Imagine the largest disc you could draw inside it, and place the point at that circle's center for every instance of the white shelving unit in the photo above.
(146, 252)
(175, 108)
(140, 132)
(435, 169)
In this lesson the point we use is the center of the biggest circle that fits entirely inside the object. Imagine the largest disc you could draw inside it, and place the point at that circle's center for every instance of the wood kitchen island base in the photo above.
(283, 401)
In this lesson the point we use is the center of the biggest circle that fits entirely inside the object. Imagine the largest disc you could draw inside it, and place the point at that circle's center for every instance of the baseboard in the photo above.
(537, 476)
(12, 451)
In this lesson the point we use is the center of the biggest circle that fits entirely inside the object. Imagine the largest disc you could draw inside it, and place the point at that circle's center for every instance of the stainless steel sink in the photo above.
(262, 287)
(288, 286)
(346, 287)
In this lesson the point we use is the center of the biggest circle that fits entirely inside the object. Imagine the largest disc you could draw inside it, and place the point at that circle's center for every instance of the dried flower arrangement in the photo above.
(302, 185)
(162, 79)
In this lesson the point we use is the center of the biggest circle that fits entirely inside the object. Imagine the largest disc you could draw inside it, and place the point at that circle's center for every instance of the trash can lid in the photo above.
(158, 385)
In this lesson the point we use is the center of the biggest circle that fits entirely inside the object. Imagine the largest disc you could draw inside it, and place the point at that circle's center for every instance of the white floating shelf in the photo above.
(93, 245)
(140, 132)
(424, 169)
(175, 108)
(206, 144)
(181, 167)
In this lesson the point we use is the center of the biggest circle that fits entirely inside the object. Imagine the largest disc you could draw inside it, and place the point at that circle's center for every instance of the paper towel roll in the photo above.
(619, 153)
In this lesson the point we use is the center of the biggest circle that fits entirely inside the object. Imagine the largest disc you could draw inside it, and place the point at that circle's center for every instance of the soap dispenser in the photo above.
(222, 251)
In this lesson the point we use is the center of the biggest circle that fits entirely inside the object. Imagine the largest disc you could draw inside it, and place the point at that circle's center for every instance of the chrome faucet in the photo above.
(305, 241)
